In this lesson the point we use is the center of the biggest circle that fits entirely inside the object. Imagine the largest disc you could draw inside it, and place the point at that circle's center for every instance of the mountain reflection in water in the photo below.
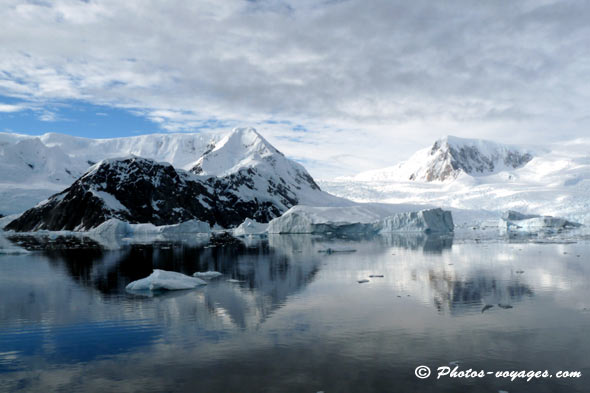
(295, 318)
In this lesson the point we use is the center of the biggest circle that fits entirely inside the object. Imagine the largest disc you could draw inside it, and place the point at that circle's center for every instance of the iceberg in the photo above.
(427, 221)
(515, 222)
(361, 219)
(250, 227)
(116, 227)
(208, 275)
(164, 280)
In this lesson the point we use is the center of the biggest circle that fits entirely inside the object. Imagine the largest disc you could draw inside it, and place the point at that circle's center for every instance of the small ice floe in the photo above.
(208, 275)
(455, 363)
(486, 307)
(362, 281)
(376, 276)
(234, 280)
(332, 251)
(502, 391)
(504, 306)
(164, 280)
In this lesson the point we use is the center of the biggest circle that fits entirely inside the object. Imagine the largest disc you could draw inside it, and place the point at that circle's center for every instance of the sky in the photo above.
(342, 86)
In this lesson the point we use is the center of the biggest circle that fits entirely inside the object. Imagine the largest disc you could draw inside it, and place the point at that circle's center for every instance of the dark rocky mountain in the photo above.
(241, 177)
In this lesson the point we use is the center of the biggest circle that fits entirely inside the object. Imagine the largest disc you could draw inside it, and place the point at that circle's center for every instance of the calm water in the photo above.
(298, 321)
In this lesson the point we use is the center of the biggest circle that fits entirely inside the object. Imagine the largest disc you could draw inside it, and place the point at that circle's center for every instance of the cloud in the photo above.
(371, 81)
(9, 108)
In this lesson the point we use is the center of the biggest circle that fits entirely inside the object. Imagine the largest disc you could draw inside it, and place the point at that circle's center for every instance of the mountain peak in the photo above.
(450, 156)
(241, 148)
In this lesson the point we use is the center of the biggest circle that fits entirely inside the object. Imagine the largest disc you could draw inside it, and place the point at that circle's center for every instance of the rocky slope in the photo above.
(450, 157)
(241, 177)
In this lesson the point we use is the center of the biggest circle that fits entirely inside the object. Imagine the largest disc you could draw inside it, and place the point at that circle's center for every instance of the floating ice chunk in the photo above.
(361, 219)
(190, 226)
(234, 280)
(332, 251)
(112, 227)
(514, 222)
(208, 275)
(164, 280)
(250, 227)
(427, 221)
(6, 247)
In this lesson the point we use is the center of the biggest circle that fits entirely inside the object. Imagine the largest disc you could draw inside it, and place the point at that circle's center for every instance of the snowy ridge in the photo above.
(450, 157)
(249, 168)
(255, 182)
(553, 182)
(34, 167)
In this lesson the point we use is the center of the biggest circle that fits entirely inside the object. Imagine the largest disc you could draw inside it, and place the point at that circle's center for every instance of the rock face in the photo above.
(450, 156)
(132, 189)
(241, 177)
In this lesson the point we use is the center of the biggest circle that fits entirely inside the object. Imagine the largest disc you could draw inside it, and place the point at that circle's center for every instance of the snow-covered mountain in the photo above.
(34, 167)
(248, 168)
(552, 180)
(450, 157)
(242, 176)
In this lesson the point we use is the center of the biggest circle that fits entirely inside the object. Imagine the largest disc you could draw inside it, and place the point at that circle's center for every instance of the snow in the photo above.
(362, 218)
(164, 280)
(555, 182)
(32, 168)
(109, 200)
(250, 227)
(244, 150)
(434, 159)
(208, 275)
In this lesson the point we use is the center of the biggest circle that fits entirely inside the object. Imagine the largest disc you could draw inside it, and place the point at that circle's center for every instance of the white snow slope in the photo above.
(244, 153)
(554, 182)
(34, 167)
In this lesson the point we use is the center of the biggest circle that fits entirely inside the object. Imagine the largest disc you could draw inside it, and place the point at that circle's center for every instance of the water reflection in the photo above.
(298, 319)
(480, 290)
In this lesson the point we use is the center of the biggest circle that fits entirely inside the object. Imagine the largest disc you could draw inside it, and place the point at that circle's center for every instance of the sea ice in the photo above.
(165, 280)
(208, 275)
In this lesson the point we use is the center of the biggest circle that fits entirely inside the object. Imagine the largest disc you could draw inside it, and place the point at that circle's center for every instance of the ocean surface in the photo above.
(294, 317)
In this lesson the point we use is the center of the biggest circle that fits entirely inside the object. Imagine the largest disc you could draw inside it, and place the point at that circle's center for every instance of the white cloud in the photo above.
(8, 108)
(370, 81)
